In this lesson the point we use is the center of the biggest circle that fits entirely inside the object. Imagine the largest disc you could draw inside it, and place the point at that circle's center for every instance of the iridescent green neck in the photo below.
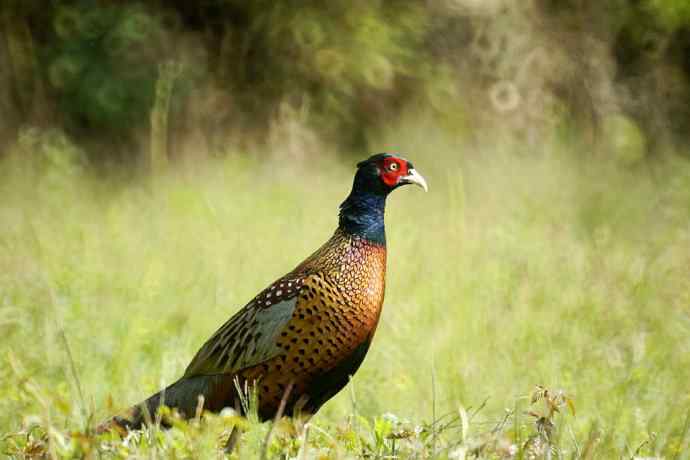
(362, 214)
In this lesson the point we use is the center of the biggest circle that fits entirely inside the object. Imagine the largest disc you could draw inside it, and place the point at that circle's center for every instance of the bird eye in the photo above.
(393, 166)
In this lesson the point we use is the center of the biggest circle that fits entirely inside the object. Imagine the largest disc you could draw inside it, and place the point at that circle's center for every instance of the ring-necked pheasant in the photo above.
(302, 337)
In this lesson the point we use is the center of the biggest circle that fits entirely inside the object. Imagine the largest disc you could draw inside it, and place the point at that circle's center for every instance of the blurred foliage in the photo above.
(304, 74)
(516, 269)
(552, 248)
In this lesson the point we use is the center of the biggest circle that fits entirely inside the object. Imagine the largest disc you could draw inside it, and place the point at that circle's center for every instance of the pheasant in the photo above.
(300, 339)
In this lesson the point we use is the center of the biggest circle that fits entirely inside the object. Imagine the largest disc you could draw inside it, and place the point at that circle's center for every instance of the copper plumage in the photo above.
(308, 331)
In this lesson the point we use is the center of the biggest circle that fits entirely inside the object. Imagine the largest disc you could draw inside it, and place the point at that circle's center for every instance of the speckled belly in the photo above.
(326, 339)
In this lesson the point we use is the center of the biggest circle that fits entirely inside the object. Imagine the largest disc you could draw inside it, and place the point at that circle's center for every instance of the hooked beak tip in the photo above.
(413, 177)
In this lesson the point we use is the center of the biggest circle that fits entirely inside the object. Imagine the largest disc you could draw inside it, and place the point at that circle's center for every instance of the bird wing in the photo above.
(250, 336)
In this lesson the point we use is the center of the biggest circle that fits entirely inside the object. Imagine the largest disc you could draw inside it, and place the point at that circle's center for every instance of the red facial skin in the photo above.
(392, 169)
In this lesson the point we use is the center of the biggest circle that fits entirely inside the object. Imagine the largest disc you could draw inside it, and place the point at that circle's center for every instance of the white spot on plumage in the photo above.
(279, 292)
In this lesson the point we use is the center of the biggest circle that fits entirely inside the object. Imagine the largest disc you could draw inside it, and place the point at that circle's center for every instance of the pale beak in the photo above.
(413, 177)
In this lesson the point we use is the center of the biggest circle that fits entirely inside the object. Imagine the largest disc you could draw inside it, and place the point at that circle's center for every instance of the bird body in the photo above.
(311, 320)
(300, 339)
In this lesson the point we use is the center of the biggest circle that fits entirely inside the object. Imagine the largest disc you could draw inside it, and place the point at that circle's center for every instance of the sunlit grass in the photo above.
(513, 271)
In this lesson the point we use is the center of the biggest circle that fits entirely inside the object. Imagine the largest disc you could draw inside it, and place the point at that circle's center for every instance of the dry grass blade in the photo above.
(279, 414)
(199, 407)
(686, 425)
(75, 376)
(305, 441)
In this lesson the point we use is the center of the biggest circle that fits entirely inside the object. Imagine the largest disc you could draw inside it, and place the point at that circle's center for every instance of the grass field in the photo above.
(564, 269)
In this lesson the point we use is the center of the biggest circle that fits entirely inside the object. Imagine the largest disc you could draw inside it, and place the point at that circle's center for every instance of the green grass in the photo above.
(515, 270)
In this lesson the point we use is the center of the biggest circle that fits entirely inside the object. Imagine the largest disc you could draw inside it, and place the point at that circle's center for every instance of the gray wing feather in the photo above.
(270, 322)
(247, 339)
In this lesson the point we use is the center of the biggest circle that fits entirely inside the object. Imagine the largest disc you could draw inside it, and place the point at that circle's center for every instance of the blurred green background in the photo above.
(161, 162)
(299, 74)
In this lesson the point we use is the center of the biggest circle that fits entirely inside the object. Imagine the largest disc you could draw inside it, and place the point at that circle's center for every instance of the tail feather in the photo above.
(182, 395)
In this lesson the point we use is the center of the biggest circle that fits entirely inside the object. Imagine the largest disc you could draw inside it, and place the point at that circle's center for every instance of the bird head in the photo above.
(362, 211)
(384, 172)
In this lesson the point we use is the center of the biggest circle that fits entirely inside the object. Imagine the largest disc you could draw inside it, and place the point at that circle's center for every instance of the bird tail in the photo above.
(182, 395)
